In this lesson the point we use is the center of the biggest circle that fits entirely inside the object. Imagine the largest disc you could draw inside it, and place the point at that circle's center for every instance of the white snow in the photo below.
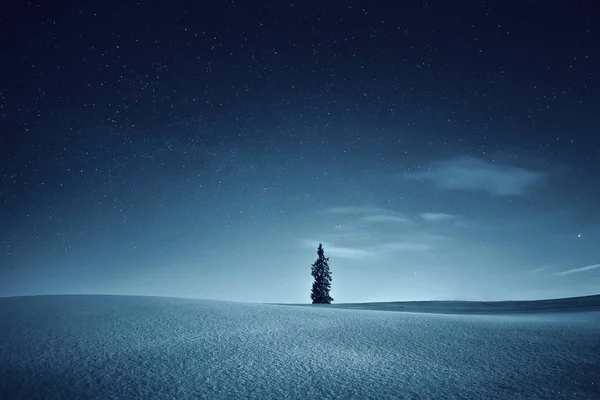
(121, 347)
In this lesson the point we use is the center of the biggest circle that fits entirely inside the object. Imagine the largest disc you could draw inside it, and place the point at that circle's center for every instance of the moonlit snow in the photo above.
(121, 347)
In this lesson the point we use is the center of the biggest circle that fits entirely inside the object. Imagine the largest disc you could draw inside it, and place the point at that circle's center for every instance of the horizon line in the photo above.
(307, 303)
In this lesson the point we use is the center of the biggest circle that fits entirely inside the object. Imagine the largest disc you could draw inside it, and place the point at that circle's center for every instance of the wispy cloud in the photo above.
(537, 270)
(436, 216)
(349, 252)
(470, 173)
(353, 253)
(575, 270)
(374, 250)
(370, 214)
(385, 218)
(363, 233)
(352, 210)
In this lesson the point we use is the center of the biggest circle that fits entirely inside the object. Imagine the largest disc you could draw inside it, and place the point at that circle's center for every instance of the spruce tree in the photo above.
(322, 274)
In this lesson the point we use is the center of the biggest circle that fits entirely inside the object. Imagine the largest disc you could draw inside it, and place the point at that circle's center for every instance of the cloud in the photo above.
(572, 271)
(349, 252)
(470, 173)
(370, 214)
(384, 218)
(436, 216)
(353, 253)
(358, 210)
(363, 233)
(539, 270)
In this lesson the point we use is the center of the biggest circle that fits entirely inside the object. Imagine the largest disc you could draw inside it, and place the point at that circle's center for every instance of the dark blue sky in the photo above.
(438, 150)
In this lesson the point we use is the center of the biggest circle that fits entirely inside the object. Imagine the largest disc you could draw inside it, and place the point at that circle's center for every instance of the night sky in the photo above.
(438, 149)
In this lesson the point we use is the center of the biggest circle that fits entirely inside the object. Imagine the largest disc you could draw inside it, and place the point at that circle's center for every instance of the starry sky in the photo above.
(438, 149)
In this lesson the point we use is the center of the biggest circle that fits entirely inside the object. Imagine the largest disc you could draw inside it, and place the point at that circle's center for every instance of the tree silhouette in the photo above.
(322, 274)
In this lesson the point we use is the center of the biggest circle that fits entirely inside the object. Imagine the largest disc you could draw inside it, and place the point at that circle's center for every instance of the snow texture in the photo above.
(121, 347)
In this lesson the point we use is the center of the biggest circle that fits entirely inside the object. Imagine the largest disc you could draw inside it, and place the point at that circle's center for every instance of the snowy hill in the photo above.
(108, 347)
(585, 303)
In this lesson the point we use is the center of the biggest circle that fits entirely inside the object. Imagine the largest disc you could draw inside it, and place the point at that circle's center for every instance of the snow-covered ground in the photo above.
(572, 304)
(109, 347)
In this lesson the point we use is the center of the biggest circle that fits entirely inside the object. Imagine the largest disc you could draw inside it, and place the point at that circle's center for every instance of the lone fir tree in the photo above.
(322, 284)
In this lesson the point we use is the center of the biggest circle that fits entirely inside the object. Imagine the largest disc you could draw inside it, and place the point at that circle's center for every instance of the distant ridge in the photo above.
(560, 305)
(570, 304)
